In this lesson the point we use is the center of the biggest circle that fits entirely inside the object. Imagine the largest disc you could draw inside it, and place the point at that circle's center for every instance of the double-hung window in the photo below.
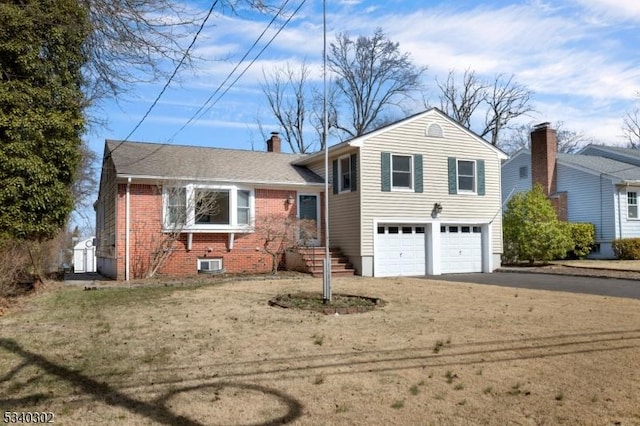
(345, 173)
(176, 212)
(466, 176)
(632, 205)
(401, 172)
(244, 207)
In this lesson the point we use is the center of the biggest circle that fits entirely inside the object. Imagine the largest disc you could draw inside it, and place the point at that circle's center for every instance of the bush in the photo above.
(582, 236)
(531, 229)
(626, 248)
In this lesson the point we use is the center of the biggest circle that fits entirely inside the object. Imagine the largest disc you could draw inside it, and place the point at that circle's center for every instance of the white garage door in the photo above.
(400, 250)
(461, 248)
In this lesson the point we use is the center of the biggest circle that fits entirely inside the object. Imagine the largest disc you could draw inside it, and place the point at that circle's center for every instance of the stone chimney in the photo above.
(273, 143)
(544, 148)
(544, 151)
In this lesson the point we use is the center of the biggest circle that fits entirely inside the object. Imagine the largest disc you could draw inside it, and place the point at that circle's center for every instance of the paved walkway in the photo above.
(88, 279)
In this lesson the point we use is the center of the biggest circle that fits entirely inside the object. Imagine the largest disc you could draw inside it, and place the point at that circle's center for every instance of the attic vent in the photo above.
(435, 130)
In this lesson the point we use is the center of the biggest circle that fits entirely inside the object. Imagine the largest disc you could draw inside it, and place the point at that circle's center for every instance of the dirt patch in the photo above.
(341, 304)
(436, 353)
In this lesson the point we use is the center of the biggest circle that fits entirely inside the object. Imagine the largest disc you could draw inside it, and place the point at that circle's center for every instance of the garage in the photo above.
(461, 248)
(400, 250)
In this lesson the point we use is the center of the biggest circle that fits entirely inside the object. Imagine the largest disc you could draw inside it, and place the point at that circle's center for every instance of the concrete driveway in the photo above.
(588, 285)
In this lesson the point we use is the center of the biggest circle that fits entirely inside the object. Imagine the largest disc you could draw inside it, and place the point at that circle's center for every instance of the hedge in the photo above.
(582, 236)
(626, 248)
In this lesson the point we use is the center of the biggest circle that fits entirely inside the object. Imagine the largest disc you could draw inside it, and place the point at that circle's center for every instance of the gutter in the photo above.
(126, 231)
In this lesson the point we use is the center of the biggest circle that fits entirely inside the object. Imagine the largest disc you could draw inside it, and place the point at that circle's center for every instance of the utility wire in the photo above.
(204, 108)
(175, 71)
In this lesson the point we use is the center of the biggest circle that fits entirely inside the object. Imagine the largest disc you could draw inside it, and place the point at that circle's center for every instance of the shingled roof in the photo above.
(607, 166)
(180, 162)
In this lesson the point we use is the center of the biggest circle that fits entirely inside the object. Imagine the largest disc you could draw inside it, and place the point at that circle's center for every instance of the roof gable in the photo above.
(360, 140)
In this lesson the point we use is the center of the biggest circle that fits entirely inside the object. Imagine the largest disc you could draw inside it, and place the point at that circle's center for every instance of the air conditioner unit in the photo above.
(209, 266)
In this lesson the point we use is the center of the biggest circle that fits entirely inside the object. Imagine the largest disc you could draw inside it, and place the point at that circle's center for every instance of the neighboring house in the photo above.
(420, 196)
(84, 256)
(599, 185)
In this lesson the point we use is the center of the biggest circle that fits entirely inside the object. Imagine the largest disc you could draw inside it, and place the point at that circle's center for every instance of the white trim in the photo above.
(127, 243)
(340, 173)
(475, 177)
(213, 260)
(411, 174)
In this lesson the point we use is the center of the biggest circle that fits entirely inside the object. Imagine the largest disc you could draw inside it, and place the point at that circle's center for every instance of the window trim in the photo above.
(410, 188)
(630, 205)
(342, 173)
(474, 191)
(209, 260)
(192, 226)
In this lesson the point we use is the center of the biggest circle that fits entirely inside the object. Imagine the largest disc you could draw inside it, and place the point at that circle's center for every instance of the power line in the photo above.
(175, 71)
(204, 108)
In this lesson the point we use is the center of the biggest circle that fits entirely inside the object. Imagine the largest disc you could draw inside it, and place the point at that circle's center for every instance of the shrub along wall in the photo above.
(626, 248)
(582, 236)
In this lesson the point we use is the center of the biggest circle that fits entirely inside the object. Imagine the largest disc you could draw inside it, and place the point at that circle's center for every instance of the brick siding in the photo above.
(246, 256)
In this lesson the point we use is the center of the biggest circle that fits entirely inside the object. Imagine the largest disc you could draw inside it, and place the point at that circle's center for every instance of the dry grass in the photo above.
(221, 355)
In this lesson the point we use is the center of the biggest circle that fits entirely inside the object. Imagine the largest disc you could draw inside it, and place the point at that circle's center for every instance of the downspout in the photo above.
(619, 214)
(126, 230)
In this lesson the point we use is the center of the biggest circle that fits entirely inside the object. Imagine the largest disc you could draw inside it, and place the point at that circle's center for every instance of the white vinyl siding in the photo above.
(377, 204)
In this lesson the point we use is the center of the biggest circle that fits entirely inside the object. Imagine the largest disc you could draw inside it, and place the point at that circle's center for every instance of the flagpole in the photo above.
(326, 271)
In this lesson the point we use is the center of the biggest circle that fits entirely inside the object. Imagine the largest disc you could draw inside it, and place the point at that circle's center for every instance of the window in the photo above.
(401, 171)
(393, 229)
(212, 207)
(176, 206)
(477, 230)
(208, 266)
(244, 207)
(632, 205)
(344, 173)
(524, 172)
(465, 229)
(380, 229)
(407, 230)
(443, 229)
(453, 229)
(419, 229)
(466, 176)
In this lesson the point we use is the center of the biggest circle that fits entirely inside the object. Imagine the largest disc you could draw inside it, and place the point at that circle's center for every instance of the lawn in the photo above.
(435, 353)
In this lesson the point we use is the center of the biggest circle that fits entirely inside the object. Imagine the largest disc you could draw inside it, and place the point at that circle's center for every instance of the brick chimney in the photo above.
(273, 143)
(544, 148)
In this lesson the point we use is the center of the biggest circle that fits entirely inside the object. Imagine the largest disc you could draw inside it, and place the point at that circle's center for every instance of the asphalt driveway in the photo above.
(588, 285)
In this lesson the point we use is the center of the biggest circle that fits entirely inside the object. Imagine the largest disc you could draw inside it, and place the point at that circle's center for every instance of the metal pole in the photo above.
(326, 290)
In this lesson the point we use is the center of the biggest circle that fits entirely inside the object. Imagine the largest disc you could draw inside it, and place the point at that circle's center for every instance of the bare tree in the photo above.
(569, 141)
(503, 100)
(286, 90)
(461, 101)
(132, 41)
(506, 100)
(372, 75)
(280, 233)
(631, 128)
(151, 253)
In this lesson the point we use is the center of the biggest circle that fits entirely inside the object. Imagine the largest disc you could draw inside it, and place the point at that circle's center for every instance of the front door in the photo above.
(308, 214)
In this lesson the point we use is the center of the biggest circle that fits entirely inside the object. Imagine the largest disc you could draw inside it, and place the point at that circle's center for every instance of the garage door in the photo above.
(400, 250)
(461, 248)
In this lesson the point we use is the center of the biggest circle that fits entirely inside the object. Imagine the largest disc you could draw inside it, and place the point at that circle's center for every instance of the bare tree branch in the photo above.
(569, 141)
(631, 128)
(373, 74)
(460, 103)
(506, 100)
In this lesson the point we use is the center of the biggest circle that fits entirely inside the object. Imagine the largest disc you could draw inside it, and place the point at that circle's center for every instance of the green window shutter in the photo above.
(417, 173)
(354, 172)
(336, 179)
(480, 167)
(453, 176)
(385, 171)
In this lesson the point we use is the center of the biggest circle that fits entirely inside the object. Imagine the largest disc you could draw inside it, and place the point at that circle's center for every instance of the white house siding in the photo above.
(590, 198)
(627, 228)
(409, 138)
(511, 181)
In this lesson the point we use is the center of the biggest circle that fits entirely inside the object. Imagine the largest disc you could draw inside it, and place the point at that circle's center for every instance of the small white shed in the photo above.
(84, 256)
